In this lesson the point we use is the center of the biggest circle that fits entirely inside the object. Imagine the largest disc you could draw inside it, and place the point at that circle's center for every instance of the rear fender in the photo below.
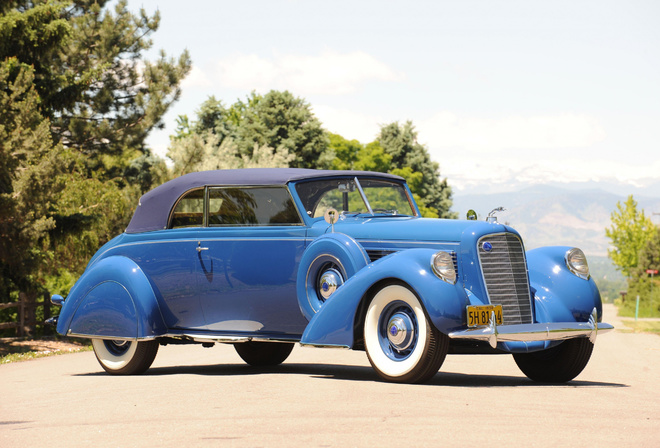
(112, 299)
(559, 295)
(335, 322)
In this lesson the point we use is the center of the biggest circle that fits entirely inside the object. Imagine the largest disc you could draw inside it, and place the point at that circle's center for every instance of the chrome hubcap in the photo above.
(400, 331)
(329, 282)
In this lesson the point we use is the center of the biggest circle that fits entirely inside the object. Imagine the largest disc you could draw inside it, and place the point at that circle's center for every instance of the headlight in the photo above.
(443, 266)
(576, 262)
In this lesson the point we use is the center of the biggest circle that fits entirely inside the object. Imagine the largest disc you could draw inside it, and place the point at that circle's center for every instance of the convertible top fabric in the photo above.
(154, 207)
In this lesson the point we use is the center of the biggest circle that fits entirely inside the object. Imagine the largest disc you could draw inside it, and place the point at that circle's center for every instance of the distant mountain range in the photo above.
(572, 215)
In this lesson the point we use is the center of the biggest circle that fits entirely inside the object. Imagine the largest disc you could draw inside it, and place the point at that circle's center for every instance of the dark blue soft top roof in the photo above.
(154, 207)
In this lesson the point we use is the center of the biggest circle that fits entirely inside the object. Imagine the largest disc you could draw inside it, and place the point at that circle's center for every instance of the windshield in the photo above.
(348, 196)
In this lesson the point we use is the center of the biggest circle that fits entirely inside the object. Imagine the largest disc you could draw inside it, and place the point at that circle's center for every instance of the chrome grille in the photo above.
(505, 274)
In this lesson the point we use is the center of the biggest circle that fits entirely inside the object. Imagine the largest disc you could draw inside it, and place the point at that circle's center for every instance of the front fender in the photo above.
(559, 295)
(334, 324)
(112, 299)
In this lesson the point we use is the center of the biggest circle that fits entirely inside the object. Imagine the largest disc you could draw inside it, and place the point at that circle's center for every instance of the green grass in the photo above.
(24, 356)
(646, 309)
(16, 350)
(643, 326)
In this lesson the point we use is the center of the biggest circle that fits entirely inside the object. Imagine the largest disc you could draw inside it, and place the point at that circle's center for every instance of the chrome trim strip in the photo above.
(553, 331)
(346, 347)
(194, 337)
(438, 243)
(226, 339)
(108, 338)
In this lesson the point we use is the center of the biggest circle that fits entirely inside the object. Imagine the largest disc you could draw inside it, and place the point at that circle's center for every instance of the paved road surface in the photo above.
(194, 396)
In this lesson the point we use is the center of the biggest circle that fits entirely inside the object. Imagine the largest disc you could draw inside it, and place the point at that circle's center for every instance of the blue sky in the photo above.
(499, 91)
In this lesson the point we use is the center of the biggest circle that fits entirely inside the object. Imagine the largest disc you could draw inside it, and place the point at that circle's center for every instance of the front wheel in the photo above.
(261, 354)
(125, 357)
(402, 344)
(558, 364)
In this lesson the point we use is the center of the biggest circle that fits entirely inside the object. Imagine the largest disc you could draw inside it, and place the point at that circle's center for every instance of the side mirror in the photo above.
(331, 216)
(471, 215)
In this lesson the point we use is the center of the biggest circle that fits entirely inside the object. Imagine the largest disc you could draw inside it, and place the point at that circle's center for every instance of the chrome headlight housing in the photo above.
(576, 262)
(442, 264)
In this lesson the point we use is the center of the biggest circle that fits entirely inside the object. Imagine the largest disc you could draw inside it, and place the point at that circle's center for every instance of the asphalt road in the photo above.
(194, 396)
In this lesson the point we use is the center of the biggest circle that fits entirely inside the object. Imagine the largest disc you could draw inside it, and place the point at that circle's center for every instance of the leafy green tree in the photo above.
(214, 118)
(201, 152)
(353, 155)
(101, 96)
(400, 142)
(27, 160)
(630, 232)
(283, 128)
(77, 101)
(273, 130)
(281, 120)
(50, 212)
(346, 151)
(649, 255)
(644, 285)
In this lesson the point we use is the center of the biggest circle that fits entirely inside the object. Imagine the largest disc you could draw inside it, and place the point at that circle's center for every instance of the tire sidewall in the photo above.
(379, 359)
(110, 361)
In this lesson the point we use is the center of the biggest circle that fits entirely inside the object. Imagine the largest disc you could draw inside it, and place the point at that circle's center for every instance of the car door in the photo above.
(248, 259)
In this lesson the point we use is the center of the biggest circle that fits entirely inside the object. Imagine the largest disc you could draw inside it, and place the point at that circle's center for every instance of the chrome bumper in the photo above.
(553, 331)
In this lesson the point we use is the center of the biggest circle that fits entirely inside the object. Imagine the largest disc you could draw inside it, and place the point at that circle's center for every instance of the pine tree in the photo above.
(77, 101)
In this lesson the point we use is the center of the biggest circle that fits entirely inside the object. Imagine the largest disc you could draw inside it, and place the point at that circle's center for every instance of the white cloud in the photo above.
(348, 123)
(196, 79)
(486, 135)
(329, 73)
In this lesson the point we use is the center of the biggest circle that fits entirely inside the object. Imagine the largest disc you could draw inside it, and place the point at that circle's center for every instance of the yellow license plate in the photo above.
(480, 314)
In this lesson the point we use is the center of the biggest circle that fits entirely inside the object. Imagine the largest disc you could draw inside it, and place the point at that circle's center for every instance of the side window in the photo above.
(268, 206)
(189, 211)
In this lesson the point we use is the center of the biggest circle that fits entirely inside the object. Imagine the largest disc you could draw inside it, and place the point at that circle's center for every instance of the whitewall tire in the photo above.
(401, 343)
(125, 357)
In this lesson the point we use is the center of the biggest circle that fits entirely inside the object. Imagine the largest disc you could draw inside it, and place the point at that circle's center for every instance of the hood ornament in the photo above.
(492, 218)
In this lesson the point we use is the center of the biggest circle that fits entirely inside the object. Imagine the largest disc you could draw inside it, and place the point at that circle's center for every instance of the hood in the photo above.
(402, 229)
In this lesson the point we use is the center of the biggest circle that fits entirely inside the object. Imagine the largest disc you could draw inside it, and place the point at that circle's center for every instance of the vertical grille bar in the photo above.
(505, 275)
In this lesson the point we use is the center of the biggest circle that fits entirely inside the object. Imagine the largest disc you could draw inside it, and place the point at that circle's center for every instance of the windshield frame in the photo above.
(310, 200)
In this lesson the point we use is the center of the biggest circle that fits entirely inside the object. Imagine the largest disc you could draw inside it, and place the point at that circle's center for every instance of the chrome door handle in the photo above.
(199, 249)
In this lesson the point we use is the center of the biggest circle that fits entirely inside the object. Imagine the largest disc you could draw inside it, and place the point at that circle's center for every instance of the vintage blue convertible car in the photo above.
(266, 258)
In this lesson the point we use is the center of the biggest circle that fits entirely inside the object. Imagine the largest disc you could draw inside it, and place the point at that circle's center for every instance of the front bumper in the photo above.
(553, 331)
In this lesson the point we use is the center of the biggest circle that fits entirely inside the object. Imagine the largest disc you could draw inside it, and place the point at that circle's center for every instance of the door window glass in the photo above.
(267, 206)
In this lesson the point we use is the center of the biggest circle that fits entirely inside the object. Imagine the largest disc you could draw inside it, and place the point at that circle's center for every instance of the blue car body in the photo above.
(185, 272)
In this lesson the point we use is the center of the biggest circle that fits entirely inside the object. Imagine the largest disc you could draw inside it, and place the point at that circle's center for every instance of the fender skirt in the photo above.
(334, 324)
(113, 300)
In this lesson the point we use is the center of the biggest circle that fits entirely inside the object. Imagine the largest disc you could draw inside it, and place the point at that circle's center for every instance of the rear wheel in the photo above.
(261, 354)
(401, 343)
(557, 364)
(125, 357)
